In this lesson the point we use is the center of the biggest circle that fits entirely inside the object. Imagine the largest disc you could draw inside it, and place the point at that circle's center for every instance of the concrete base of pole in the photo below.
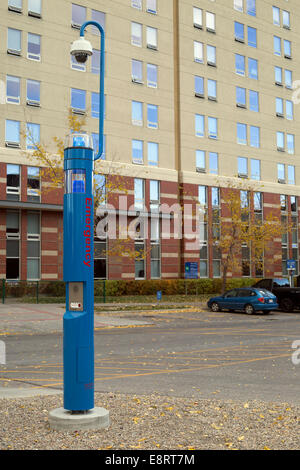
(63, 420)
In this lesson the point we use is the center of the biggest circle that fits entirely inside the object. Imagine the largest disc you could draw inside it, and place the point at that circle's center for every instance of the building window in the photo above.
(287, 47)
(155, 258)
(241, 133)
(286, 23)
(100, 258)
(199, 125)
(210, 22)
(78, 101)
(35, 8)
(152, 76)
(137, 71)
(152, 154)
(253, 101)
(14, 41)
(95, 104)
(32, 136)
(245, 261)
(137, 151)
(277, 45)
(12, 245)
(199, 86)
(139, 193)
(95, 64)
(212, 127)
(200, 161)
(33, 92)
(241, 97)
(255, 169)
(15, 5)
(12, 133)
(34, 47)
(33, 184)
(33, 246)
(197, 17)
(276, 16)
(254, 136)
(212, 90)
(242, 167)
(290, 140)
(154, 195)
(136, 4)
(213, 163)
(198, 52)
(288, 79)
(251, 7)
(240, 64)
(151, 35)
(78, 16)
(139, 247)
(99, 17)
(13, 182)
(278, 76)
(289, 110)
(12, 89)
(152, 116)
(252, 37)
(137, 113)
(136, 34)
(211, 55)
(151, 6)
(281, 173)
(291, 174)
(238, 5)
(239, 33)
(252, 68)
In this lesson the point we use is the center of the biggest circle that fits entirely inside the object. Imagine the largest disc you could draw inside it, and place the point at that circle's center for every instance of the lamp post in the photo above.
(78, 264)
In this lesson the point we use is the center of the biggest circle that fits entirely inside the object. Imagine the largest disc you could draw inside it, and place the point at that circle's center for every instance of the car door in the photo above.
(247, 297)
(228, 299)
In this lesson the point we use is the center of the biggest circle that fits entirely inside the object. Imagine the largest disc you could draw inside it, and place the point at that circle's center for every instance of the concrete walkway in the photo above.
(48, 318)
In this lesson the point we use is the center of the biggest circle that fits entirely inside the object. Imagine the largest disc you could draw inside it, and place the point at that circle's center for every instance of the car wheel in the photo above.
(249, 309)
(215, 307)
(287, 305)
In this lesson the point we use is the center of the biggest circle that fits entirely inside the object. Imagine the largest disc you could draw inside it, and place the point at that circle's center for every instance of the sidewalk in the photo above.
(48, 318)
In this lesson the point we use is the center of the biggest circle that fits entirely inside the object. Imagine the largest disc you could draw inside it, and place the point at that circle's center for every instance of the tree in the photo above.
(243, 228)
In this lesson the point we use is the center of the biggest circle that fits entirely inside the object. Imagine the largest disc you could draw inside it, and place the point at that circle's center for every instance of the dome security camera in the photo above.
(81, 49)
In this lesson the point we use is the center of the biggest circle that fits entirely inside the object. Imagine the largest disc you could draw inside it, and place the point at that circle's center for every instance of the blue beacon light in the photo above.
(78, 266)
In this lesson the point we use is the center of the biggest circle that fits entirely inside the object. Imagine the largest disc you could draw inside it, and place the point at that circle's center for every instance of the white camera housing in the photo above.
(81, 49)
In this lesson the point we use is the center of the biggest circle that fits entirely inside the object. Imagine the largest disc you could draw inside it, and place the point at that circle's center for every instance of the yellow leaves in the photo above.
(215, 426)
(135, 420)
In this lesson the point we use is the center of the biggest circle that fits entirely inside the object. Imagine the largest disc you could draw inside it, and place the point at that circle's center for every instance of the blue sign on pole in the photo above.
(158, 295)
(291, 264)
(191, 270)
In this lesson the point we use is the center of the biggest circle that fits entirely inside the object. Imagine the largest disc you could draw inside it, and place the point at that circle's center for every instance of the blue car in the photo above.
(248, 299)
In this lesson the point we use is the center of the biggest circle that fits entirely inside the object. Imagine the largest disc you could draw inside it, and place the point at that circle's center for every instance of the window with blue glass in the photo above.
(212, 89)
(280, 140)
(252, 68)
(288, 78)
(278, 75)
(78, 99)
(199, 86)
(241, 133)
(290, 141)
(239, 32)
(241, 96)
(200, 160)
(12, 131)
(251, 7)
(95, 138)
(252, 37)
(153, 153)
(254, 101)
(137, 151)
(279, 107)
(277, 45)
(32, 135)
(240, 64)
(152, 116)
(152, 75)
(213, 162)
(99, 17)
(13, 41)
(255, 169)
(34, 46)
(289, 110)
(199, 125)
(212, 124)
(137, 113)
(95, 64)
(95, 104)
(211, 55)
(33, 91)
(287, 45)
(254, 136)
(12, 89)
(137, 71)
(291, 174)
(242, 166)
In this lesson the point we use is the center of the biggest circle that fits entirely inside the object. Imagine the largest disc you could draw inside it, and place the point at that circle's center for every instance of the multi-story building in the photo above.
(195, 93)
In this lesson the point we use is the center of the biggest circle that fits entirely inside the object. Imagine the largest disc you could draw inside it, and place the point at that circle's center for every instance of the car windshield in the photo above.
(281, 283)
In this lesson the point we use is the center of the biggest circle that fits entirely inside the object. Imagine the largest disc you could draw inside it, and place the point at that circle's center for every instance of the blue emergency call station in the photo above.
(78, 260)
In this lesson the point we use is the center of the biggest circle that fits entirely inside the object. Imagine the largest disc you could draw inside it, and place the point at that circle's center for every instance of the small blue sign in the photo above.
(158, 295)
(291, 264)
(191, 270)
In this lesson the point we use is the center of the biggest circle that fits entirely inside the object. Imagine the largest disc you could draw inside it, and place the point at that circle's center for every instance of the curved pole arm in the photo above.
(102, 71)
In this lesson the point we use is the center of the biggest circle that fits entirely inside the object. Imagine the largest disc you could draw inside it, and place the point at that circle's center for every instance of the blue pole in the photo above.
(78, 259)
(102, 73)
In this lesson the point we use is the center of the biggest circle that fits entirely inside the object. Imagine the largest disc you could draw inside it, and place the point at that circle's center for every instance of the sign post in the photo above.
(291, 265)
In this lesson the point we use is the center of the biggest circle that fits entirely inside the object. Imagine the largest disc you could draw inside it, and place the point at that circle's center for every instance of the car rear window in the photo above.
(281, 283)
